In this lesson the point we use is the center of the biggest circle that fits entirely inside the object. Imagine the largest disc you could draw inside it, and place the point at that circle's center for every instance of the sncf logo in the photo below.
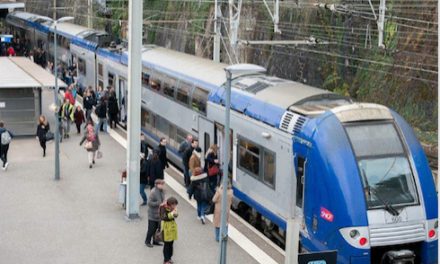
(326, 215)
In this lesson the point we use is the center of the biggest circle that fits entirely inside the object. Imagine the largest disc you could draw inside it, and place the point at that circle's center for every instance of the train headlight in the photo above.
(358, 237)
(432, 230)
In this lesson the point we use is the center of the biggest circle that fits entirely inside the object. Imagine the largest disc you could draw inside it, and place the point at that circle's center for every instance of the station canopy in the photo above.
(21, 72)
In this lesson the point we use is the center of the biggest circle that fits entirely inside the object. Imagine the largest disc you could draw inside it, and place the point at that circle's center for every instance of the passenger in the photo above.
(5, 139)
(42, 129)
(89, 102)
(217, 200)
(11, 51)
(202, 192)
(156, 198)
(156, 169)
(168, 214)
(92, 142)
(67, 111)
(162, 151)
(195, 160)
(101, 112)
(144, 175)
(79, 118)
(144, 146)
(113, 109)
(183, 148)
(69, 95)
(212, 166)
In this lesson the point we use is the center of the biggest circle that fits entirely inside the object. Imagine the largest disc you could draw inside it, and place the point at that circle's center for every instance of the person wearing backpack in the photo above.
(92, 142)
(5, 139)
(156, 198)
(101, 112)
(202, 192)
(168, 214)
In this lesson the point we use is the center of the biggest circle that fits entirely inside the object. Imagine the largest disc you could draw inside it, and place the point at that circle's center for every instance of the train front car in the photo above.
(368, 189)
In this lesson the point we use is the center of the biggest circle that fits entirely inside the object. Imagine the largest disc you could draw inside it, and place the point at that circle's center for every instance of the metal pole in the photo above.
(134, 106)
(57, 103)
(217, 30)
(89, 11)
(381, 23)
(54, 12)
(223, 225)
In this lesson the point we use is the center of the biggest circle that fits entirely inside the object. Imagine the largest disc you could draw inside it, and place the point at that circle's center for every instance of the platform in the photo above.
(78, 219)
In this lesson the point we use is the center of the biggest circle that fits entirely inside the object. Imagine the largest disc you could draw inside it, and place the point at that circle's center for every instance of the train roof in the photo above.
(70, 30)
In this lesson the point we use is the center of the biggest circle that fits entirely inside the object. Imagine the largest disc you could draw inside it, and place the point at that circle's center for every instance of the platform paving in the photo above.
(78, 219)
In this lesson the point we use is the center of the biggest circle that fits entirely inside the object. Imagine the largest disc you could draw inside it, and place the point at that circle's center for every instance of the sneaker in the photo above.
(203, 220)
(90, 166)
(149, 245)
(6, 166)
(93, 161)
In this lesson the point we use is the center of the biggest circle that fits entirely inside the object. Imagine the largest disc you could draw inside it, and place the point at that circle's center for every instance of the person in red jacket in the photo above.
(10, 51)
(68, 95)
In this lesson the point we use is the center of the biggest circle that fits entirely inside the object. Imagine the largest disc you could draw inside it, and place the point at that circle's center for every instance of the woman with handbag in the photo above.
(168, 214)
(155, 199)
(217, 200)
(212, 166)
(92, 142)
(42, 131)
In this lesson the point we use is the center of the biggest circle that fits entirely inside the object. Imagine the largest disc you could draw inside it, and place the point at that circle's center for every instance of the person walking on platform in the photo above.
(69, 94)
(195, 160)
(42, 129)
(184, 146)
(156, 198)
(88, 102)
(5, 139)
(156, 169)
(163, 153)
(217, 200)
(113, 109)
(67, 111)
(92, 142)
(79, 118)
(101, 112)
(212, 166)
(202, 192)
(144, 146)
(143, 178)
(168, 215)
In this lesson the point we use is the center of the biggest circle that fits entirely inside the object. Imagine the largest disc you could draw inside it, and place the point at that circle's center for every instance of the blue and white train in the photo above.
(355, 173)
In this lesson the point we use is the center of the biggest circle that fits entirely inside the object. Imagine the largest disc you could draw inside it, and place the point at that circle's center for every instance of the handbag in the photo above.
(49, 136)
(210, 209)
(213, 170)
(88, 145)
(158, 235)
(99, 154)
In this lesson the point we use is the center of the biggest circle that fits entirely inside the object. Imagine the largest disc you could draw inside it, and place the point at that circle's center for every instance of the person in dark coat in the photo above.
(113, 109)
(89, 102)
(79, 118)
(4, 148)
(185, 160)
(144, 146)
(42, 129)
(144, 175)
(162, 150)
(156, 169)
(93, 140)
(101, 112)
(202, 192)
(156, 198)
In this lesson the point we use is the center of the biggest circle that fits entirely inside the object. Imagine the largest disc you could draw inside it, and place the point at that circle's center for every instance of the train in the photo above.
(353, 173)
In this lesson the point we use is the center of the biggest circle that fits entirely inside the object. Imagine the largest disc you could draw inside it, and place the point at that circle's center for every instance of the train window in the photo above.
(111, 79)
(168, 87)
(269, 168)
(181, 135)
(183, 93)
(155, 84)
(145, 79)
(249, 158)
(82, 66)
(100, 83)
(300, 169)
(172, 135)
(199, 98)
(100, 70)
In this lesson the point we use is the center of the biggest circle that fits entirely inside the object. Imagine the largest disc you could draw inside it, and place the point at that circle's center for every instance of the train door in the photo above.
(206, 133)
(219, 139)
(122, 94)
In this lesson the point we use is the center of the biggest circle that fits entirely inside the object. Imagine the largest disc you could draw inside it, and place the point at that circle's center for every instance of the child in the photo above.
(168, 213)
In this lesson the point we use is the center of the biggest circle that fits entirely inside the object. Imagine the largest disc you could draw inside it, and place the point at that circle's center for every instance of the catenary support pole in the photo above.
(134, 106)
(381, 23)
(225, 179)
(54, 11)
(217, 30)
(89, 13)
(57, 104)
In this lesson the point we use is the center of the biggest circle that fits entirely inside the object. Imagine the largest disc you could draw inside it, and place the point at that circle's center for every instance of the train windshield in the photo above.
(387, 177)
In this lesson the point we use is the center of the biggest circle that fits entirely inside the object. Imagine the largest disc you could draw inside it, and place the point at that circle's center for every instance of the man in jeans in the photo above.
(101, 112)
(4, 145)
(156, 198)
(186, 144)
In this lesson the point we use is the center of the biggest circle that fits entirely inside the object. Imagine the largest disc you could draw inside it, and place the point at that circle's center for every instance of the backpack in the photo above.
(91, 136)
(6, 138)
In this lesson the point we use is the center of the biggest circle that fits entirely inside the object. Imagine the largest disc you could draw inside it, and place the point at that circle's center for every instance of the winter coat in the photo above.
(69, 95)
(155, 199)
(217, 200)
(41, 131)
(163, 156)
(79, 117)
(113, 108)
(169, 225)
(145, 171)
(156, 171)
(187, 155)
(209, 160)
(89, 102)
(194, 162)
(101, 110)
(144, 148)
(95, 143)
(200, 188)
